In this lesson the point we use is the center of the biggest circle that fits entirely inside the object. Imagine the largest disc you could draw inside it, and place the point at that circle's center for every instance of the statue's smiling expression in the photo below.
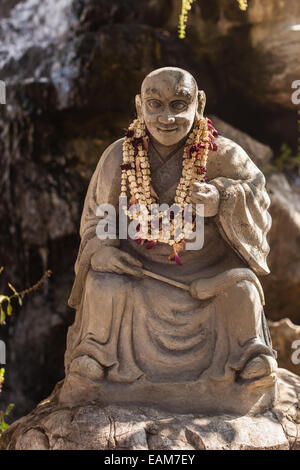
(168, 105)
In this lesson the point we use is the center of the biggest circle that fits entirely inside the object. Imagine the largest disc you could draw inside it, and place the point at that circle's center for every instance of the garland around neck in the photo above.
(136, 179)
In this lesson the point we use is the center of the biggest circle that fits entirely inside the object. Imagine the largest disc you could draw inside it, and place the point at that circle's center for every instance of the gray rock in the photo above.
(284, 333)
(282, 286)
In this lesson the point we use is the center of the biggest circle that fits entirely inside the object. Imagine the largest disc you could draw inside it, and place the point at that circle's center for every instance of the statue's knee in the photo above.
(245, 295)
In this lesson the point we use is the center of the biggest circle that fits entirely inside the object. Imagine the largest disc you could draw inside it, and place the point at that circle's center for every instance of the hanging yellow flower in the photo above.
(243, 4)
(186, 5)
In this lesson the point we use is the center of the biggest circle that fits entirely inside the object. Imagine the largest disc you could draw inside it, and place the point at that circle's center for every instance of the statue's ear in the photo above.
(138, 105)
(201, 104)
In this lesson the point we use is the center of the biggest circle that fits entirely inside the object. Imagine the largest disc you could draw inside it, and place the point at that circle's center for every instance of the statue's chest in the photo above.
(165, 177)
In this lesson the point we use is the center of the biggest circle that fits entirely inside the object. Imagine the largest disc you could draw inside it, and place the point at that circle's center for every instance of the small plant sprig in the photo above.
(3, 414)
(5, 303)
(186, 5)
(1, 378)
(5, 300)
(286, 160)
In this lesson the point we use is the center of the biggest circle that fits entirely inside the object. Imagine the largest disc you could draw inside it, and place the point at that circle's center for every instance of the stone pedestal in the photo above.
(130, 427)
(206, 396)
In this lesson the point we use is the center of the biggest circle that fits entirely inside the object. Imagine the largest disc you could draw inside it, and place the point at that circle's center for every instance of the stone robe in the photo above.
(144, 328)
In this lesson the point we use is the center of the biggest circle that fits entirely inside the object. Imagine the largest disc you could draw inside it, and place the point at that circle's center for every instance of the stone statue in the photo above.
(137, 339)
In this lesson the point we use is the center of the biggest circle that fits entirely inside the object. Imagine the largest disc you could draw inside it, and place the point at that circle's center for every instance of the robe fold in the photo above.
(145, 328)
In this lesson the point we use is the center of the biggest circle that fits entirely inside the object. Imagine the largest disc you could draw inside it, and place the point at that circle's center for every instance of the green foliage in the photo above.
(284, 157)
(6, 310)
(3, 414)
(5, 302)
(286, 160)
(2, 371)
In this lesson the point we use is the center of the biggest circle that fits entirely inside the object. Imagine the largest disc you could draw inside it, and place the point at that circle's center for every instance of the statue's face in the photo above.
(169, 102)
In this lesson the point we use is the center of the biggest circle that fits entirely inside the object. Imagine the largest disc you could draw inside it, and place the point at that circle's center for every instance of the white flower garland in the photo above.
(136, 173)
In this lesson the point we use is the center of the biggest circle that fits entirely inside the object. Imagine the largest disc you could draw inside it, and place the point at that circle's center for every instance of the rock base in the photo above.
(92, 427)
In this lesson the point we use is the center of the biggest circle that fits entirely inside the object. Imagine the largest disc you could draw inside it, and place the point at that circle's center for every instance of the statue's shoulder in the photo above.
(112, 156)
(230, 150)
(109, 164)
(230, 160)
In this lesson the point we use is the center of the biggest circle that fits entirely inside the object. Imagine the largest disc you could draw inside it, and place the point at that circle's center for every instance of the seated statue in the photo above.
(142, 339)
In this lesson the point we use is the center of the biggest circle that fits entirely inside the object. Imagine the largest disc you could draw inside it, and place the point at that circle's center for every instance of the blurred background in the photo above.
(72, 69)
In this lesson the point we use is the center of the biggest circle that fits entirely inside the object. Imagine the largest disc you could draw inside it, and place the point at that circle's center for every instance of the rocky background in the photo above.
(72, 69)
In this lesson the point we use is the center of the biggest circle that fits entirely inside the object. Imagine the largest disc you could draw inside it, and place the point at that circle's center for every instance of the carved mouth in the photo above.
(168, 131)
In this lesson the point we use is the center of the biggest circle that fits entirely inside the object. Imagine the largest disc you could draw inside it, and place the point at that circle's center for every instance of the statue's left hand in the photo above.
(208, 195)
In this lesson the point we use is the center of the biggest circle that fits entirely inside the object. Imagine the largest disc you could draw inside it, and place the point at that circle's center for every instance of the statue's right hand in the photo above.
(113, 260)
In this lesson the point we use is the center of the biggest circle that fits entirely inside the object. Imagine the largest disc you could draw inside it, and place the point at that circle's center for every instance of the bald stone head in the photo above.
(169, 103)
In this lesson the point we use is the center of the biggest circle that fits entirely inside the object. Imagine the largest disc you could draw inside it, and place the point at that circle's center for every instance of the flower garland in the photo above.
(243, 4)
(137, 175)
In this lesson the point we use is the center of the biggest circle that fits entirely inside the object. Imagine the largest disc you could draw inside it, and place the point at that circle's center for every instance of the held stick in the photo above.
(215, 285)
(167, 280)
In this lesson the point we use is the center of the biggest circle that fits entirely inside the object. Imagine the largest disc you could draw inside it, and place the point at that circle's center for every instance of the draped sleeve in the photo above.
(104, 188)
(243, 218)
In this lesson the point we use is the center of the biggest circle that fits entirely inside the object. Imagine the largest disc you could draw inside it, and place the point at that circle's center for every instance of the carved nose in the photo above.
(166, 119)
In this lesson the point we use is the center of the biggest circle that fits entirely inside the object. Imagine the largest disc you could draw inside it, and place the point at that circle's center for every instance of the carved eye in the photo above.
(179, 105)
(154, 104)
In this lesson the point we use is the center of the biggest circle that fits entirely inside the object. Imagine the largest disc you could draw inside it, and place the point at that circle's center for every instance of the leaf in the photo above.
(9, 308)
(20, 300)
(9, 408)
(3, 425)
(12, 288)
(1, 269)
(2, 316)
(3, 298)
